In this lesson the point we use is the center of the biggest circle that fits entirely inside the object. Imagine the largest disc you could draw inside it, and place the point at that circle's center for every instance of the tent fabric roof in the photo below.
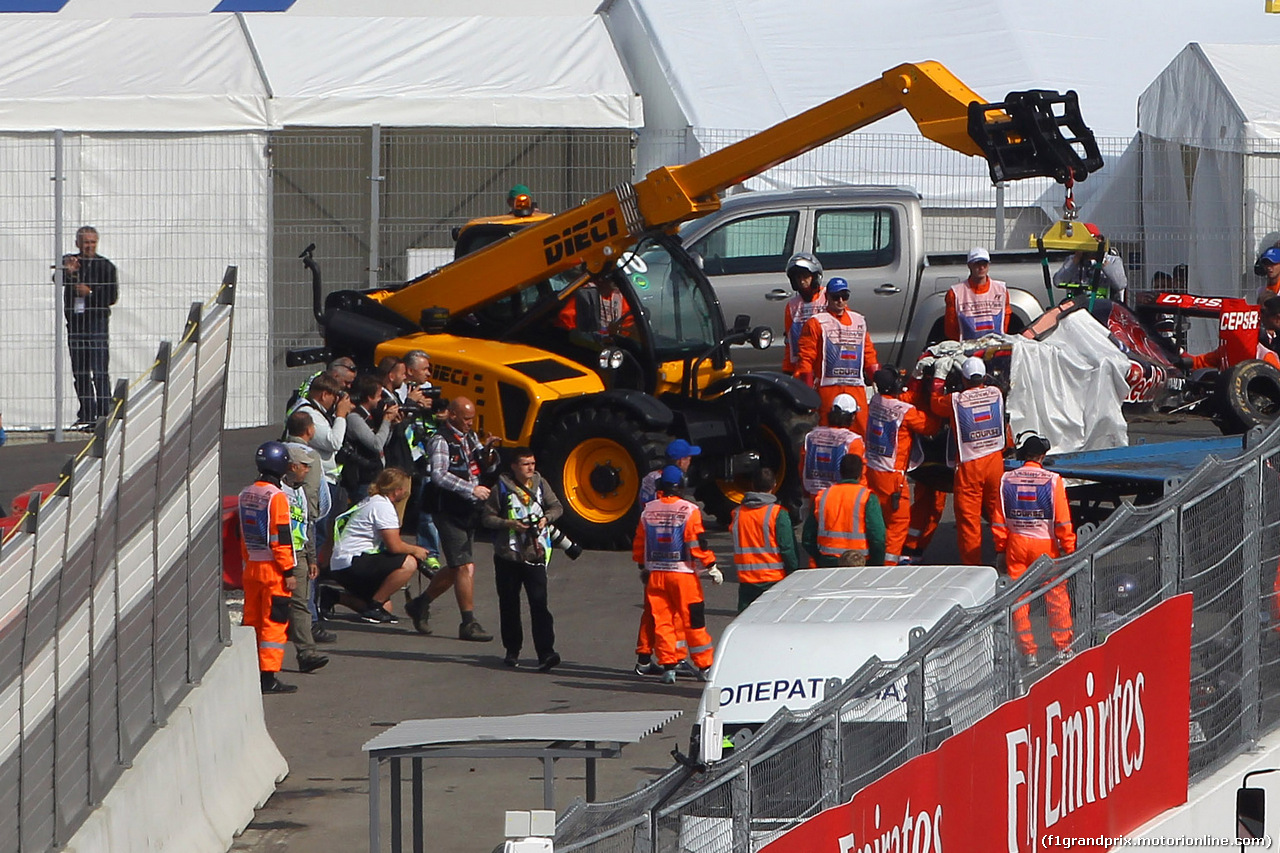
(128, 75)
(787, 57)
(199, 73)
(1218, 93)
(461, 72)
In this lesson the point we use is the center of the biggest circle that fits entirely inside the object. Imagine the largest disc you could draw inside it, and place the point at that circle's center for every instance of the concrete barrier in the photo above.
(195, 784)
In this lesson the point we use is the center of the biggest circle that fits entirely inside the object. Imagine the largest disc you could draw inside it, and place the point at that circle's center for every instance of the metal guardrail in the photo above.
(111, 605)
(1217, 536)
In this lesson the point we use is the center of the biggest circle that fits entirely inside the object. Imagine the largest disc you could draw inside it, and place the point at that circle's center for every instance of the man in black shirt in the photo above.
(89, 290)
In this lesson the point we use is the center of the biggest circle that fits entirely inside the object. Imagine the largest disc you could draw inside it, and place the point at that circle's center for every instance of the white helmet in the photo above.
(846, 403)
(973, 368)
(807, 262)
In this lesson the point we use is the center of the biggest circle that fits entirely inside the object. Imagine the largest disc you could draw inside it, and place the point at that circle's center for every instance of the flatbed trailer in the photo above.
(1098, 480)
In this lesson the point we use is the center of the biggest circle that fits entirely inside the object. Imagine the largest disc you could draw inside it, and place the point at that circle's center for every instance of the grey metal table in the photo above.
(547, 737)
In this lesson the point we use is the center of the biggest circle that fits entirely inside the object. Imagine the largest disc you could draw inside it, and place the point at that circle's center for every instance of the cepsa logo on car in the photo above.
(1233, 320)
(580, 236)
(1182, 300)
(452, 375)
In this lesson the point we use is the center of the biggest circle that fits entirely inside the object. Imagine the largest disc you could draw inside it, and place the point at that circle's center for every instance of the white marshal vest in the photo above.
(842, 349)
(979, 422)
(980, 314)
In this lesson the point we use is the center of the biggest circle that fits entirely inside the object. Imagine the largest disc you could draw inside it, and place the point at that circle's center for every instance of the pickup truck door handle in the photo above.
(888, 289)
(777, 295)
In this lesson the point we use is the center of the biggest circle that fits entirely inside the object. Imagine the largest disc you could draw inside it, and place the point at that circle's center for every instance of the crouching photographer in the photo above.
(522, 506)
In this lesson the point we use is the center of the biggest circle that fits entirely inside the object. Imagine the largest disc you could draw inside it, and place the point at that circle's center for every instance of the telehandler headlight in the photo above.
(610, 359)
(762, 337)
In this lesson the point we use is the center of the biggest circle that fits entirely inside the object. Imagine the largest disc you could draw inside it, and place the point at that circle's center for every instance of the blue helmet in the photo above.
(272, 458)
(1265, 260)
(670, 479)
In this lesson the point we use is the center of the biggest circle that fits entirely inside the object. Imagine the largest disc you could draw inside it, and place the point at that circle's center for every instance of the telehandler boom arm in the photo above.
(1021, 137)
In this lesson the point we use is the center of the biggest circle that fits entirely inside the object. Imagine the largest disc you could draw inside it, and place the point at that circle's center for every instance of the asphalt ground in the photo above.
(379, 675)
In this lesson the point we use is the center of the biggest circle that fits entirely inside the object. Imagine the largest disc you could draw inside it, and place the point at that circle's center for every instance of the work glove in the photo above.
(644, 576)
(716, 576)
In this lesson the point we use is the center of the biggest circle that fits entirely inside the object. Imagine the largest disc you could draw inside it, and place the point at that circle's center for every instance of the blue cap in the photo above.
(837, 284)
(1271, 256)
(680, 448)
(671, 477)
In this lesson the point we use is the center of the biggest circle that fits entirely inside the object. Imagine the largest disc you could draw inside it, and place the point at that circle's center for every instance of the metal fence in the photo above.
(110, 590)
(380, 204)
(1217, 535)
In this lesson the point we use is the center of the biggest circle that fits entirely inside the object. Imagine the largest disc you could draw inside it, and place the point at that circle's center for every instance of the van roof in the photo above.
(919, 595)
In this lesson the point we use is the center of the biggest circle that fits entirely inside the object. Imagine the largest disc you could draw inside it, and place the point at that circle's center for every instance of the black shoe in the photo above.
(648, 668)
(419, 611)
(320, 635)
(310, 663)
(271, 684)
(512, 660)
(376, 615)
(328, 599)
(549, 663)
(474, 632)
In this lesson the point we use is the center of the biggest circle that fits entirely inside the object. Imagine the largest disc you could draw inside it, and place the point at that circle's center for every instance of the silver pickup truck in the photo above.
(872, 236)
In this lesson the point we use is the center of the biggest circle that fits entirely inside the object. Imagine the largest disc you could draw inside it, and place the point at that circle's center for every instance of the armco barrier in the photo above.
(110, 604)
(1217, 535)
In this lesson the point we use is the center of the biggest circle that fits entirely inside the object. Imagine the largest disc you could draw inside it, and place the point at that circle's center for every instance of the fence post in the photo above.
(999, 241)
(740, 801)
(59, 380)
(1251, 587)
(375, 212)
(1084, 602)
(915, 696)
(829, 757)
(1170, 554)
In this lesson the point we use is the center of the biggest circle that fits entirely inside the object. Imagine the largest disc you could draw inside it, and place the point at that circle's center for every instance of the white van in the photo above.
(816, 628)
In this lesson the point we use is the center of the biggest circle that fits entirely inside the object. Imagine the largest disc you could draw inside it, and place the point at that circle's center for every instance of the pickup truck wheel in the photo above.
(1248, 396)
(595, 459)
(776, 439)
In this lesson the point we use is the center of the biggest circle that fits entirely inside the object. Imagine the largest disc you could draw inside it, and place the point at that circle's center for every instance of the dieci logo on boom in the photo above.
(1080, 756)
(580, 236)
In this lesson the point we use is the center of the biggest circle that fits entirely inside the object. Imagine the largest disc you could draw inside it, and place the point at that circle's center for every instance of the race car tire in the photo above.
(1248, 395)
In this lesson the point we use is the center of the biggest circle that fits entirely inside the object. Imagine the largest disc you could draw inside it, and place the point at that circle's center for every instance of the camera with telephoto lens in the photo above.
(435, 400)
(571, 549)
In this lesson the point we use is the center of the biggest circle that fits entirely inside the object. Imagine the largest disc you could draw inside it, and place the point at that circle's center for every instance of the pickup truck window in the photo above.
(854, 239)
(752, 245)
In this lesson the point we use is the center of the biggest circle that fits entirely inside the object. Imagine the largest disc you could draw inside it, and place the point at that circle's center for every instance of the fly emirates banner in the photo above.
(1097, 747)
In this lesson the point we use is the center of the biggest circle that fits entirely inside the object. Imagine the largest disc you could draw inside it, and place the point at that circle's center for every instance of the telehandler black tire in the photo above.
(594, 459)
(777, 438)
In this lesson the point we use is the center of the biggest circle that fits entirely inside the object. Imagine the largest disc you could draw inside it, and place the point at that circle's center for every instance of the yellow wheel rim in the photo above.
(771, 456)
(600, 480)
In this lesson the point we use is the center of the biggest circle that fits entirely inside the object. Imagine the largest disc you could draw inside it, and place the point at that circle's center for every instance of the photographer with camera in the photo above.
(524, 506)
(369, 426)
(453, 495)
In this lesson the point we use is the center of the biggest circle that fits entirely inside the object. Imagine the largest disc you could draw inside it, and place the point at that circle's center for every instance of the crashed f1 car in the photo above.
(1237, 384)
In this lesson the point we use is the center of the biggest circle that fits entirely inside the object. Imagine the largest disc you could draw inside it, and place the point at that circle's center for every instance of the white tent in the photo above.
(1210, 136)
(165, 120)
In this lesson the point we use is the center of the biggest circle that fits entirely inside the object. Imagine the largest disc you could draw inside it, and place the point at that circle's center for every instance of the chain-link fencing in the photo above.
(110, 589)
(1217, 536)
(381, 205)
